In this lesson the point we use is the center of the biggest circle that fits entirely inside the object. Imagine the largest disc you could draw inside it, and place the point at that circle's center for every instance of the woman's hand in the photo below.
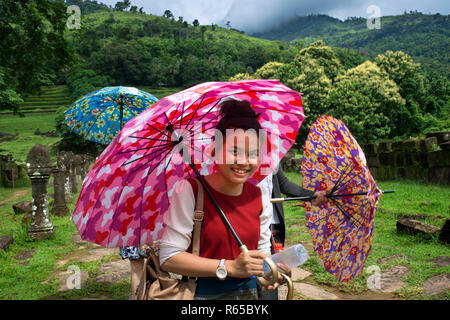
(321, 198)
(282, 269)
(247, 264)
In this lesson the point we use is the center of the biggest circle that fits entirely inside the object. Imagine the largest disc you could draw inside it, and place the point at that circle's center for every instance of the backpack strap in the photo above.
(198, 219)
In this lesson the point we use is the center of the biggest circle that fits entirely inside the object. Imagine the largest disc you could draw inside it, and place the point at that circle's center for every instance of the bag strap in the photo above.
(198, 219)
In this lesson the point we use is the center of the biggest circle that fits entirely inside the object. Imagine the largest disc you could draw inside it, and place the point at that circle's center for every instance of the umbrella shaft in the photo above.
(216, 204)
(328, 196)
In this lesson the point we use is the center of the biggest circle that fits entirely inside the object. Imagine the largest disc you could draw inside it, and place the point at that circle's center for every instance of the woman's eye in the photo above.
(234, 152)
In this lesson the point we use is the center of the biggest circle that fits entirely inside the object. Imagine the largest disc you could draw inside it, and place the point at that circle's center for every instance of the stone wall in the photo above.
(427, 159)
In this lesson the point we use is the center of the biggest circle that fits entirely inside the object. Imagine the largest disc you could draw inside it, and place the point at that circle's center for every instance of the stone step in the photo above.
(313, 292)
(416, 227)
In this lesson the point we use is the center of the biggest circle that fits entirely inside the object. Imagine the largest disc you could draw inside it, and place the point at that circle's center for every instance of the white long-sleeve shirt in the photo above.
(179, 222)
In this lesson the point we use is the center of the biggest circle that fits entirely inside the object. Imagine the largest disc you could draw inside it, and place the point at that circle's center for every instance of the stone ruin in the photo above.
(427, 159)
(70, 170)
(39, 168)
(10, 171)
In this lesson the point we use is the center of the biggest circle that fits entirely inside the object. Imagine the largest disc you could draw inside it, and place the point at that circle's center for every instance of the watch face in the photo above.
(221, 273)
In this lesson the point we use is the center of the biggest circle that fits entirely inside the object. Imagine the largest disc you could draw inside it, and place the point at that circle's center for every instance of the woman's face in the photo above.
(238, 157)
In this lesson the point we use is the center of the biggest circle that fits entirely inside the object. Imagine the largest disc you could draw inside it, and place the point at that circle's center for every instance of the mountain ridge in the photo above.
(424, 37)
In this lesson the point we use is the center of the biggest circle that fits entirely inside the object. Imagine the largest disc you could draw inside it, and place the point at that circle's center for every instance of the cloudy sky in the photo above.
(257, 15)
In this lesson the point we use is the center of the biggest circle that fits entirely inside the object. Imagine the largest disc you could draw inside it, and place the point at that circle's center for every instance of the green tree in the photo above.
(269, 71)
(119, 6)
(368, 102)
(9, 99)
(168, 14)
(32, 34)
(324, 57)
(411, 82)
(241, 76)
(195, 23)
(313, 85)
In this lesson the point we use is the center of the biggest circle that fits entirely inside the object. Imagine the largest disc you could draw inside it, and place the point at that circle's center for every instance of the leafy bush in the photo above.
(82, 81)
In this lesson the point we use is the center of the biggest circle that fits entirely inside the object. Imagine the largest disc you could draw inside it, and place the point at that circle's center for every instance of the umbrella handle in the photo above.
(273, 274)
(290, 285)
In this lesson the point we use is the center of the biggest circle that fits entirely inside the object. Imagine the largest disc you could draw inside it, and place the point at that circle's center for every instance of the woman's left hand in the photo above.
(283, 269)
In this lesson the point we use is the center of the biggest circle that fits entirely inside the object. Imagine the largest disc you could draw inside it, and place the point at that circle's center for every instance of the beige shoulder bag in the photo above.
(157, 284)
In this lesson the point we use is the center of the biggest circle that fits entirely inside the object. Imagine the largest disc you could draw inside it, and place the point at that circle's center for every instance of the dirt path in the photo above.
(113, 270)
(16, 195)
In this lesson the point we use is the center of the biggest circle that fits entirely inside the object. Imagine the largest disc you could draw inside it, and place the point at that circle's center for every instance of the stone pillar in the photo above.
(77, 170)
(39, 169)
(63, 166)
(59, 205)
(83, 171)
(9, 171)
(71, 169)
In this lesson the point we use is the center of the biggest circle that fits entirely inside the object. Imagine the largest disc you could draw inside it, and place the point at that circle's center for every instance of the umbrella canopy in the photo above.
(342, 229)
(100, 115)
(126, 193)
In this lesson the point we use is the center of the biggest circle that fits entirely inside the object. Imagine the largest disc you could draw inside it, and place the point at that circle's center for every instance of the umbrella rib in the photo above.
(159, 146)
(363, 217)
(155, 166)
(346, 215)
(204, 115)
(338, 183)
(162, 132)
(349, 217)
(153, 158)
(203, 130)
(147, 138)
(198, 106)
(182, 113)
(344, 182)
(167, 146)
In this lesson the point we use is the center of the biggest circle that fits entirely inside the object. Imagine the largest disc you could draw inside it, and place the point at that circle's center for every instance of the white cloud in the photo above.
(257, 15)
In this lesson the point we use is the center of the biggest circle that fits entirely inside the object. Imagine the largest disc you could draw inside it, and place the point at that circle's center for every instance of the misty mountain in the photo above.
(425, 37)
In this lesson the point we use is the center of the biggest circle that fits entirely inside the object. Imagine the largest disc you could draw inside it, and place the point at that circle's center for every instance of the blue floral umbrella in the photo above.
(100, 115)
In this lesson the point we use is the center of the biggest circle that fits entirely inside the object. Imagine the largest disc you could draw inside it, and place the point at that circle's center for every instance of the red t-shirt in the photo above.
(243, 212)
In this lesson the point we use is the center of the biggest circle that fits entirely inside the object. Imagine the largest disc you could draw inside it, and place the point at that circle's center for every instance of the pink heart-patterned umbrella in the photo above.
(127, 192)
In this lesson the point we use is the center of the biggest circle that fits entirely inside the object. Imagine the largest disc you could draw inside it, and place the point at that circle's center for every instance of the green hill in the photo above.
(424, 37)
(117, 48)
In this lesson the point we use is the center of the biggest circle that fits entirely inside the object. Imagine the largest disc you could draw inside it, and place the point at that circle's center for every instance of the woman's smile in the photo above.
(240, 172)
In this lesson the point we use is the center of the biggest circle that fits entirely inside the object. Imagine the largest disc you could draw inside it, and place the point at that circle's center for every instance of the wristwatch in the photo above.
(221, 271)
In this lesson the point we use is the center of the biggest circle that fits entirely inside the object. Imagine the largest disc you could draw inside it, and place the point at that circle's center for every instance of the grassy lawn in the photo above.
(26, 126)
(37, 277)
(409, 198)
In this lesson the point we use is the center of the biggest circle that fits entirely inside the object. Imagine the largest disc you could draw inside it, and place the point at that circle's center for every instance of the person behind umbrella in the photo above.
(246, 206)
(275, 184)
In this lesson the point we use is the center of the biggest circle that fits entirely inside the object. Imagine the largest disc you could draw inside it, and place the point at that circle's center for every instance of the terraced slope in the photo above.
(49, 100)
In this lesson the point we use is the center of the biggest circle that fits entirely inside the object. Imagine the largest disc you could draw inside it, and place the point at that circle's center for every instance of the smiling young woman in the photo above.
(248, 209)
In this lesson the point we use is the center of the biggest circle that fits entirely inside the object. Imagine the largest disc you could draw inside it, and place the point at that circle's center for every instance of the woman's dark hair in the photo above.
(237, 115)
